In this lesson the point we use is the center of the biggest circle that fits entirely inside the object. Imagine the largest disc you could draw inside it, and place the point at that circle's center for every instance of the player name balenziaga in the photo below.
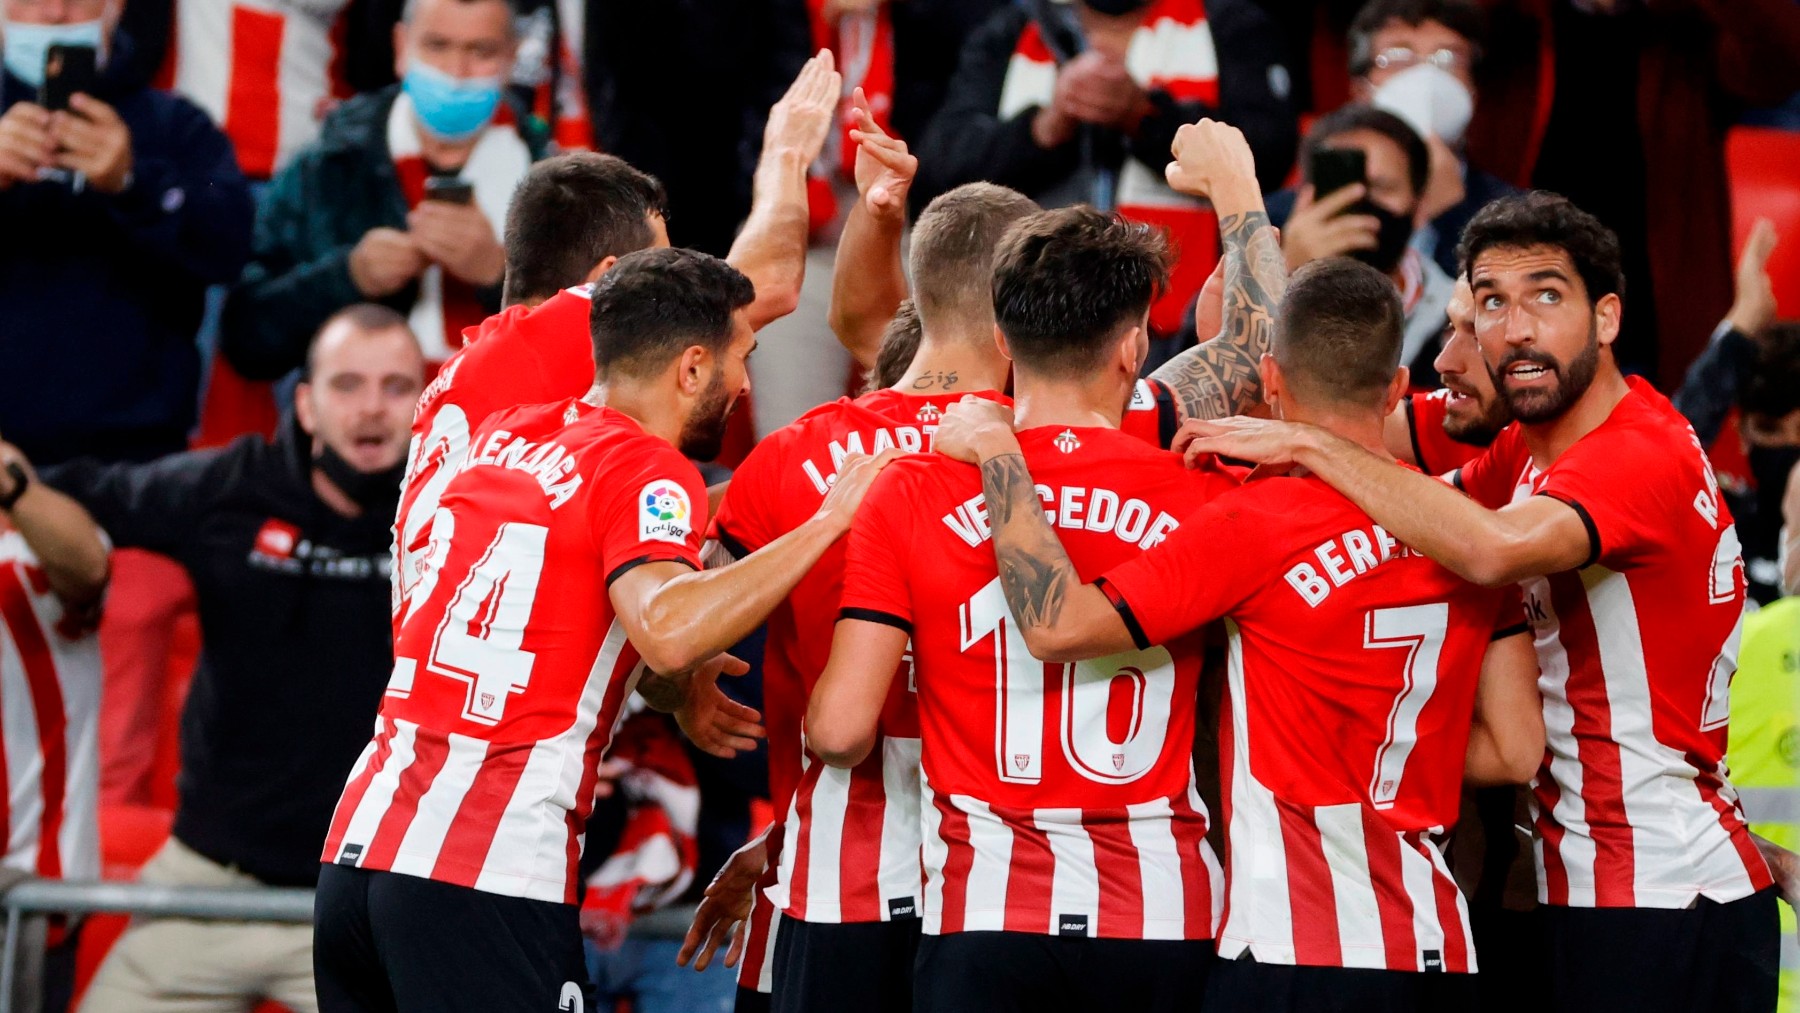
(1343, 559)
(550, 463)
(1074, 508)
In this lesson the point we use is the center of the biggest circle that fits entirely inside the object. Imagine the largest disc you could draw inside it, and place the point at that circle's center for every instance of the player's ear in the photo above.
(693, 369)
(1000, 343)
(1608, 313)
(1131, 350)
(601, 268)
(1396, 390)
(303, 408)
(1270, 374)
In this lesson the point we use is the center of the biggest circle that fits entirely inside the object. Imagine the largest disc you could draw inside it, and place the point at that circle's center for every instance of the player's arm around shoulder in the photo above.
(1506, 740)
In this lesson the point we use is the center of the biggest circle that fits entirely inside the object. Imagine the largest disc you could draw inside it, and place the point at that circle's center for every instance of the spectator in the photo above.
(651, 67)
(352, 219)
(53, 563)
(1378, 230)
(122, 209)
(1417, 59)
(1628, 120)
(288, 547)
(1085, 109)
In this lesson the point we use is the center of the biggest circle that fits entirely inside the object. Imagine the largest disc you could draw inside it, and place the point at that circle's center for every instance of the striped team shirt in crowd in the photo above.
(510, 668)
(1058, 799)
(50, 717)
(1352, 669)
(1637, 647)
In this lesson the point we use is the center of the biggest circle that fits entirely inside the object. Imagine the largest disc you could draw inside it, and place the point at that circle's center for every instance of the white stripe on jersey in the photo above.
(1074, 874)
(1416, 872)
(24, 760)
(899, 874)
(824, 839)
(1347, 857)
(1159, 868)
(78, 676)
(1259, 918)
(424, 837)
(991, 841)
(380, 796)
(933, 855)
(1564, 760)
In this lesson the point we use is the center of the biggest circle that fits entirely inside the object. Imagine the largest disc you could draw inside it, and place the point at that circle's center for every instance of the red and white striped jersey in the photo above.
(756, 970)
(50, 716)
(262, 69)
(1353, 664)
(1634, 807)
(510, 667)
(851, 837)
(1058, 799)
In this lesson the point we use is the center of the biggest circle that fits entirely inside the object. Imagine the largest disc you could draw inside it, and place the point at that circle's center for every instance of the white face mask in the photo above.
(1430, 99)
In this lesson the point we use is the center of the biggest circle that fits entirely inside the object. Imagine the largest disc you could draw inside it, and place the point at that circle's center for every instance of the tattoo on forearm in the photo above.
(1035, 572)
(1219, 377)
(665, 693)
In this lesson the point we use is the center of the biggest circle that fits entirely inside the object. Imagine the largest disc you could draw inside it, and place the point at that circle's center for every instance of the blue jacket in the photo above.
(101, 295)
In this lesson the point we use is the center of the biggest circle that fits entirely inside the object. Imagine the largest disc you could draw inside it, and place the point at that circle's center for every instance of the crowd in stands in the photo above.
(256, 232)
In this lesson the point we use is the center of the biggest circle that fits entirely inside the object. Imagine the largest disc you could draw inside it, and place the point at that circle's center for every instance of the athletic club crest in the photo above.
(1021, 759)
(1118, 762)
(929, 413)
(1067, 442)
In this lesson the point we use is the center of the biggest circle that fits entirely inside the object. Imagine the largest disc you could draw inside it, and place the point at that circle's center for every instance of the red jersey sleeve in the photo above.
(875, 562)
(1624, 491)
(654, 512)
(1198, 574)
(749, 514)
(1491, 478)
(1433, 450)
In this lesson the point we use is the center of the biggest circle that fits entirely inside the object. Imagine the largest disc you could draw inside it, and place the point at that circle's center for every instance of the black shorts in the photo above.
(387, 942)
(1506, 946)
(1019, 972)
(749, 1000)
(1710, 958)
(1245, 986)
(863, 966)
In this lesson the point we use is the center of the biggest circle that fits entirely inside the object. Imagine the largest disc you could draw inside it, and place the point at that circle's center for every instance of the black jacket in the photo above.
(967, 140)
(101, 294)
(296, 648)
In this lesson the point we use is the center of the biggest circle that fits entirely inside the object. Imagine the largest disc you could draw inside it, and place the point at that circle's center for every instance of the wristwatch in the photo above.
(20, 481)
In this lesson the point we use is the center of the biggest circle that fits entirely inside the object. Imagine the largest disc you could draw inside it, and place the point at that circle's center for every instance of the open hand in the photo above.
(1753, 306)
(884, 167)
(801, 120)
(713, 721)
(854, 476)
(1271, 443)
(975, 429)
(725, 908)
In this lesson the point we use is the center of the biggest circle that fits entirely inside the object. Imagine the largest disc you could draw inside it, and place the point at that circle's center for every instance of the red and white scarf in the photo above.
(1171, 51)
(498, 162)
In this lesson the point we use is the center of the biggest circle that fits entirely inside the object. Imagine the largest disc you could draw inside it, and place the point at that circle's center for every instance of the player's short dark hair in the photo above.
(367, 317)
(1357, 116)
(899, 344)
(1774, 388)
(654, 304)
(1066, 281)
(1338, 331)
(571, 212)
(1464, 17)
(1542, 218)
(953, 245)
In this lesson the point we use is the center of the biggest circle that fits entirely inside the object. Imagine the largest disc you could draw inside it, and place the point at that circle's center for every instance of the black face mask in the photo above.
(1771, 466)
(371, 490)
(1390, 240)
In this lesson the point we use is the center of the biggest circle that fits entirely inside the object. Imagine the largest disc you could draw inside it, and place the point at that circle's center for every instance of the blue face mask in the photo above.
(452, 108)
(27, 45)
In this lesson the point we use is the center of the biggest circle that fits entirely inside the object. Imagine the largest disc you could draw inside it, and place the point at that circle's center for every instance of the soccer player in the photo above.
(1354, 667)
(1449, 427)
(1602, 506)
(557, 581)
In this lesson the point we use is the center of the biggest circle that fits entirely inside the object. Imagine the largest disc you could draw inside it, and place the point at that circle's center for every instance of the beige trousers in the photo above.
(173, 965)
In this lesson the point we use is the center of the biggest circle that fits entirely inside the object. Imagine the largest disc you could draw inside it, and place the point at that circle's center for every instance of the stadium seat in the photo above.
(1760, 163)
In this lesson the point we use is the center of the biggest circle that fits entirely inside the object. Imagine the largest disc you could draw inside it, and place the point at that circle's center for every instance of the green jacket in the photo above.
(313, 213)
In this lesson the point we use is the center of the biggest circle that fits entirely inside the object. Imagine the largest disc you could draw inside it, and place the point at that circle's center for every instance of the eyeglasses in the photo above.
(1402, 57)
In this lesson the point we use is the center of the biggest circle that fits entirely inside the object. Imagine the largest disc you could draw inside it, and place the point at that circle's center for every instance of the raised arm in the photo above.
(1219, 377)
(1506, 742)
(771, 248)
(868, 282)
(1061, 618)
(65, 539)
(1490, 547)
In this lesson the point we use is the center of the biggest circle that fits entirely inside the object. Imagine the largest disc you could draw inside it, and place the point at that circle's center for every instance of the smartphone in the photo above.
(449, 189)
(67, 70)
(1332, 169)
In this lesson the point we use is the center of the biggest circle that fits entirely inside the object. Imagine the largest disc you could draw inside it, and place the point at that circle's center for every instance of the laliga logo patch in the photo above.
(663, 513)
(929, 413)
(1067, 442)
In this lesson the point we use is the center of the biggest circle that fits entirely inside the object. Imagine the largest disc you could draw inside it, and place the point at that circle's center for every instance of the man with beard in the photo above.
(1602, 506)
(557, 581)
(286, 544)
(1451, 426)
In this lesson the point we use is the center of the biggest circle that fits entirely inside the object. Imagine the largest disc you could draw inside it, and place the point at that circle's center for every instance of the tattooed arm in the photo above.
(1219, 377)
(1062, 618)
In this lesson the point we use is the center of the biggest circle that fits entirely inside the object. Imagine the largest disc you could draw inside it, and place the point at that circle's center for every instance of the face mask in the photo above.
(451, 108)
(26, 46)
(1116, 8)
(371, 490)
(1431, 101)
(1390, 239)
